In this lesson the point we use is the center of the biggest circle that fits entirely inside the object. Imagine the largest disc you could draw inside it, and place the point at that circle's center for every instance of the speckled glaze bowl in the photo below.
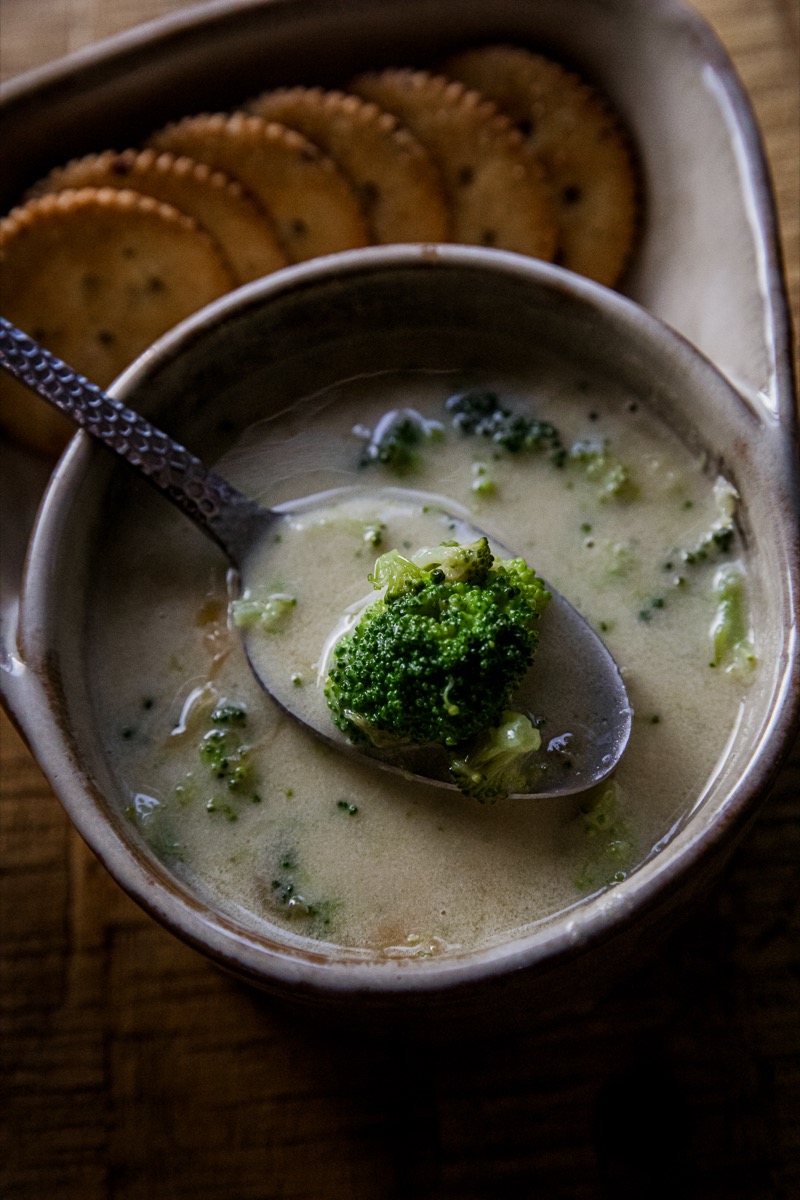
(287, 336)
(705, 288)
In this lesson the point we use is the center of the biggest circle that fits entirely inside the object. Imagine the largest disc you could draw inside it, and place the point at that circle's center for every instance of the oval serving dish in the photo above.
(708, 266)
(283, 338)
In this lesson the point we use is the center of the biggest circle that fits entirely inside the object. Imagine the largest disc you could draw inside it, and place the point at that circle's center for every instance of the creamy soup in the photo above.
(279, 827)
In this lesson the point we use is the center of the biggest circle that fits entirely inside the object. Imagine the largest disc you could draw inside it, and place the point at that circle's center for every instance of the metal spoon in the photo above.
(575, 686)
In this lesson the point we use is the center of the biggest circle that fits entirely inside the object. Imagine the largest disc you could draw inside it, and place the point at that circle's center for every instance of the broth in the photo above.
(278, 827)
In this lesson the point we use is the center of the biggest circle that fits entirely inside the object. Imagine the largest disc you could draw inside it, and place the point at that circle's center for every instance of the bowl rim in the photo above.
(312, 969)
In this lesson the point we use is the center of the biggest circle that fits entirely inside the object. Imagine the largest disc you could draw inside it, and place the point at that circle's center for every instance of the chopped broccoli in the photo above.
(482, 482)
(619, 558)
(226, 756)
(730, 637)
(610, 844)
(493, 767)
(268, 612)
(612, 477)
(718, 539)
(288, 893)
(373, 533)
(397, 438)
(227, 759)
(397, 574)
(450, 562)
(436, 658)
(480, 412)
(228, 712)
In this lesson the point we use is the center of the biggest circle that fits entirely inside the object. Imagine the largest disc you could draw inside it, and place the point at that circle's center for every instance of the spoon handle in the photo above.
(208, 499)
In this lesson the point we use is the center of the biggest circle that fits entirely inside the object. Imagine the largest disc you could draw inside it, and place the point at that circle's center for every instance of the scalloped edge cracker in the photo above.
(220, 204)
(582, 145)
(400, 187)
(314, 207)
(96, 275)
(496, 187)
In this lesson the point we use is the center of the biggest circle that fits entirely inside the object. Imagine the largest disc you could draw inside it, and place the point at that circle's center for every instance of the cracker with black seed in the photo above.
(401, 190)
(579, 139)
(240, 225)
(316, 210)
(496, 187)
(96, 275)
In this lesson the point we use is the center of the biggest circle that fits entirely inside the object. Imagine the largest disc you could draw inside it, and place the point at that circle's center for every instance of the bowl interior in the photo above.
(287, 337)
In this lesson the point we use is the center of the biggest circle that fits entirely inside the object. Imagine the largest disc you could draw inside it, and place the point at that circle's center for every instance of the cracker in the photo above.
(496, 187)
(315, 208)
(400, 187)
(96, 275)
(578, 138)
(220, 204)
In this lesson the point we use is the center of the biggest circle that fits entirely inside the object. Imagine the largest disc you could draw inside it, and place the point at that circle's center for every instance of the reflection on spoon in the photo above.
(574, 684)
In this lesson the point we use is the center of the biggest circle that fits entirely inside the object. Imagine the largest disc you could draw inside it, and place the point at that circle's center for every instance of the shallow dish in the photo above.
(708, 265)
(284, 338)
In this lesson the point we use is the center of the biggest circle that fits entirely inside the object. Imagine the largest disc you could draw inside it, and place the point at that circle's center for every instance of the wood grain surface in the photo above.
(133, 1070)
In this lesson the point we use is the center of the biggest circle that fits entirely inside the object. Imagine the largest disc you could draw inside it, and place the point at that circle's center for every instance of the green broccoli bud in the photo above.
(481, 413)
(730, 633)
(396, 440)
(493, 768)
(436, 658)
(520, 575)
(227, 758)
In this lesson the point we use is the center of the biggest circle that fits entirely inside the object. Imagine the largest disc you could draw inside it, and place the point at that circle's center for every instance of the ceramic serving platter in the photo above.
(707, 265)
(708, 262)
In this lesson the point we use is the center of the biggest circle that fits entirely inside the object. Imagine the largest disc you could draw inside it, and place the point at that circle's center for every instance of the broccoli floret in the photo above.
(397, 438)
(494, 766)
(480, 412)
(435, 659)
(732, 646)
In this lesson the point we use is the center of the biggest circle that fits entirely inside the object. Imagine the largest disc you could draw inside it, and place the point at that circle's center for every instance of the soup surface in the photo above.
(279, 827)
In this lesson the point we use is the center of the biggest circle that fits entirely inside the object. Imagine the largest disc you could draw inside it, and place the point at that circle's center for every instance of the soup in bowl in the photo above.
(571, 426)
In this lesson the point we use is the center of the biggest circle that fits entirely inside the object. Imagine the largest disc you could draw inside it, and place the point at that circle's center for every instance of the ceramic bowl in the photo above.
(285, 337)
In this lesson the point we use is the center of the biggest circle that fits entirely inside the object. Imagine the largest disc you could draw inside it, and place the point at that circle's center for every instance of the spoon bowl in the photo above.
(574, 685)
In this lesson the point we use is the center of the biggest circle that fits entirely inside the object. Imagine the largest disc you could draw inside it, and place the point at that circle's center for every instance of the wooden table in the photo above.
(134, 1070)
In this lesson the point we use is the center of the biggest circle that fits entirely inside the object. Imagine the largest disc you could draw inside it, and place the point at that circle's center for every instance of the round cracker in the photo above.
(400, 187)
(220, 204)
(96, 275)
(315, 209)
(579, 139)
(496, 187)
